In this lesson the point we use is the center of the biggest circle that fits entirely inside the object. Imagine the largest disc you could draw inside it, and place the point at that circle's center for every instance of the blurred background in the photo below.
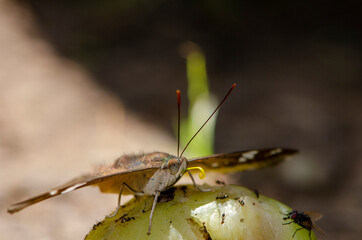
(82, 82)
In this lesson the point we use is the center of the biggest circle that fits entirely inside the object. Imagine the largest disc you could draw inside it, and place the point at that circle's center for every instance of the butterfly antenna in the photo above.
(178, 93)
(217, 108)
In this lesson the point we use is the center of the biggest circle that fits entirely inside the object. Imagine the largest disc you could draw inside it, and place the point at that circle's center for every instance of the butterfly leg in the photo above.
(119, 197)
(194, 183)
(118, 205)
(133, 191)
(157, 194)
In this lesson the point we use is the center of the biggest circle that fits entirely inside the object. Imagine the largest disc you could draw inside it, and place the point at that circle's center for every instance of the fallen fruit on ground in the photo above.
(225, 212)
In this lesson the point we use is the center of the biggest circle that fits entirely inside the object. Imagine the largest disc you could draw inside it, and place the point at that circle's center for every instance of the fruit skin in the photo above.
(225, 212)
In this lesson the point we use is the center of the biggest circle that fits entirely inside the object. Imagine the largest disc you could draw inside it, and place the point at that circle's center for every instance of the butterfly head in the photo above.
(171, 171)
(177, 165)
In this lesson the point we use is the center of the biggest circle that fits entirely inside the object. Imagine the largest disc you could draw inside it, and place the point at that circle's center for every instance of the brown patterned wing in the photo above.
(136, 169)
(98, 177)
(245, 160)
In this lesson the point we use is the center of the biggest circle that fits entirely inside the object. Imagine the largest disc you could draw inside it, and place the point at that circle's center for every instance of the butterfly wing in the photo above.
(80, 182)
(245, 160)
(135, 169)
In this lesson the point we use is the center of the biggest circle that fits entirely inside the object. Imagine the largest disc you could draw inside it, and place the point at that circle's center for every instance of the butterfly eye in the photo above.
(173, 165)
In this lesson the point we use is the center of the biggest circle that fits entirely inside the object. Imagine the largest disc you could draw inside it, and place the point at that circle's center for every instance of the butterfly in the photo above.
(153, 173)
(306, 220)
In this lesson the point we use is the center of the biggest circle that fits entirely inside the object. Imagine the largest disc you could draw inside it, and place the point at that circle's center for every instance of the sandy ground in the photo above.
(55, 124)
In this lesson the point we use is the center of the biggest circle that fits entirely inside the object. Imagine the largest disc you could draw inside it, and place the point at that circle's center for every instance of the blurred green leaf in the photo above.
(201, 105)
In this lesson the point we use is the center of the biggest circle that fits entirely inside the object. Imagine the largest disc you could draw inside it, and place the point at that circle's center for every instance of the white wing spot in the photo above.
(275, 151)
(250, 154)
(242, 159)
(214, 164)
(53, 192)
(73, 187)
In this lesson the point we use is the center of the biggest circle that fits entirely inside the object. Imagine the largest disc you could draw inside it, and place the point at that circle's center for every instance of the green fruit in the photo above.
(227, 212)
